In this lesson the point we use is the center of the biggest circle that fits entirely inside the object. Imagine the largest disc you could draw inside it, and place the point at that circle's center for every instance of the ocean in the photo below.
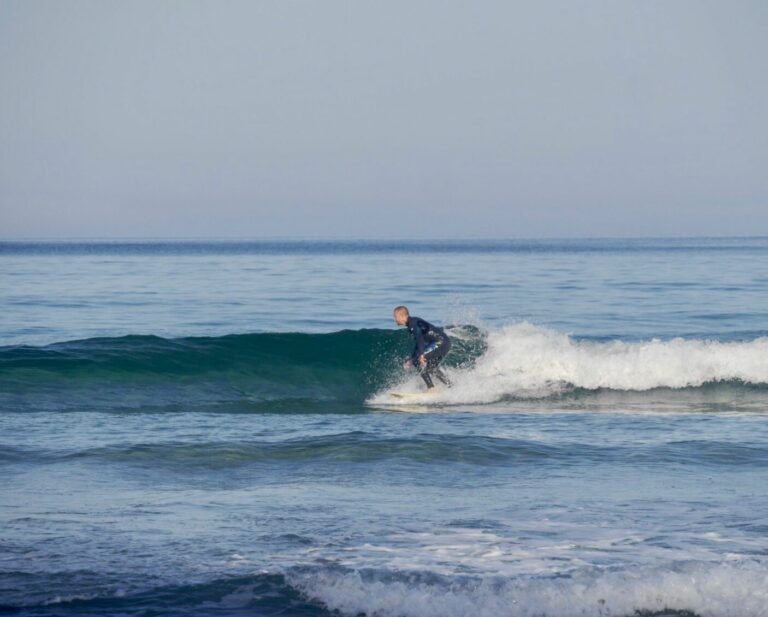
(208, 428)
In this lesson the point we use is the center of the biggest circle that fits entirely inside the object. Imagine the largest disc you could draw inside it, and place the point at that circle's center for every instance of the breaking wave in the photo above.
(340, 371)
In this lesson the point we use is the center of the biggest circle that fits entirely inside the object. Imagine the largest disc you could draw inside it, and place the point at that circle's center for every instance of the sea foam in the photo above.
(527, 361)
(705, 589)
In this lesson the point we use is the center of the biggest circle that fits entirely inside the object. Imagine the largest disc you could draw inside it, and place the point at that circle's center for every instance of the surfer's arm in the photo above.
(420, 345)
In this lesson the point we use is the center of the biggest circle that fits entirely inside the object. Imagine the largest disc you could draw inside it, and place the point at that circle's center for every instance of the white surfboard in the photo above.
(413, 397)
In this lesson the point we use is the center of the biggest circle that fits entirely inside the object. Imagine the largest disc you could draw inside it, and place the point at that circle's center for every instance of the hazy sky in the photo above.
(383, 119)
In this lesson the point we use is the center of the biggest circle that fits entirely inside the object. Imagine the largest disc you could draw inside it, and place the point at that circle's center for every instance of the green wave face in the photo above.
(279, 372)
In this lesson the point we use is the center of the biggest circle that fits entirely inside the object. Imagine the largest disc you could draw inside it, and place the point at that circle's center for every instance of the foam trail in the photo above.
(708, 590)
(523, 360)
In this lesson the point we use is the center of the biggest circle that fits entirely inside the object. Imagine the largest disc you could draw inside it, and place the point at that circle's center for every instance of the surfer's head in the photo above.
(401, 315)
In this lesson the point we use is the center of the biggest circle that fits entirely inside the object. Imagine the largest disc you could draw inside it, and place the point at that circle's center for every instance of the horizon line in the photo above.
(320, 239)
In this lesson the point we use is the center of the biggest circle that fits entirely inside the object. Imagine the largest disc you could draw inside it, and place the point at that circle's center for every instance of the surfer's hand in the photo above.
(422, 360)
(408, 363)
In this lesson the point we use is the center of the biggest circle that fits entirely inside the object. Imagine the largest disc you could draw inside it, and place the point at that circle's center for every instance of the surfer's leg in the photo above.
(424, 372)
(442, 376)
(434, 357)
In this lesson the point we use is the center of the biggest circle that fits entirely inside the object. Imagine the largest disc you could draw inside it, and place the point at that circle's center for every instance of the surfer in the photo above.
(432, 345)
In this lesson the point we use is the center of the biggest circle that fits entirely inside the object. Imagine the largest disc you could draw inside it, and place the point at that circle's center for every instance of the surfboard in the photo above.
(413, 397)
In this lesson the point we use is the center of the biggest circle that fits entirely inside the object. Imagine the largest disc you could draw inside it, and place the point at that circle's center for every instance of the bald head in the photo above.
(401, 315)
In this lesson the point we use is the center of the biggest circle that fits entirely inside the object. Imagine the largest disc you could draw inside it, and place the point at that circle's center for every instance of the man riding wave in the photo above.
(432, 345)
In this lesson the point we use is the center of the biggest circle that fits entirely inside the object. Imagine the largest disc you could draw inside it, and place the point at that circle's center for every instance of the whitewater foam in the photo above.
(527, 361)
(709, 590)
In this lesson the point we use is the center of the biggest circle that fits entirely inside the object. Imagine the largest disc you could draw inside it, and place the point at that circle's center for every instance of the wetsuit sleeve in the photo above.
(420, 343)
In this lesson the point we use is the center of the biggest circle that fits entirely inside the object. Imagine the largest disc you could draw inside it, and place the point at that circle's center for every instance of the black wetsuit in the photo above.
(433, 343)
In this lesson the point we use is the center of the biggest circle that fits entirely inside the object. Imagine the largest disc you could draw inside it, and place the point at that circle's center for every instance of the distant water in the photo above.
(198, 428)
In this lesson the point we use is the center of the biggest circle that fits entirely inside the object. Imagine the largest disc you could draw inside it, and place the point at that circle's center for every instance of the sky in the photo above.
(359, 119)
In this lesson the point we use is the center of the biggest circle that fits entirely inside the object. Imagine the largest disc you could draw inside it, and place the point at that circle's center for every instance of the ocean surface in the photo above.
(207, 428)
